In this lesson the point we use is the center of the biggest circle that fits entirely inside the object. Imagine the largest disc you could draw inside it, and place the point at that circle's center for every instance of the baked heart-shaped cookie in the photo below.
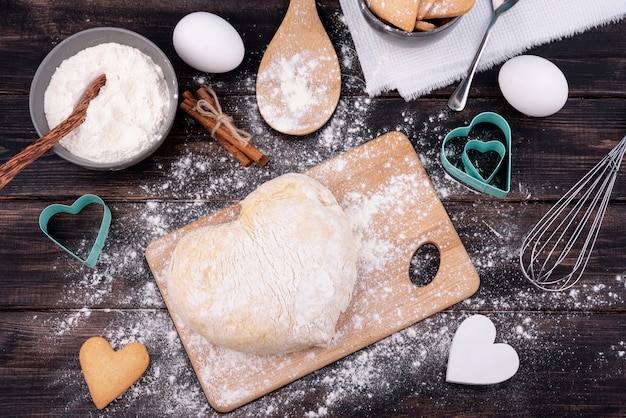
(400, 13)
(109, 373)
(275, 279)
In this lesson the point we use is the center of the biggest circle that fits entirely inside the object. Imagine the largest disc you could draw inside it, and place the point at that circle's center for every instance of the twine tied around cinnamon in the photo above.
(214, 111)
(221, 127)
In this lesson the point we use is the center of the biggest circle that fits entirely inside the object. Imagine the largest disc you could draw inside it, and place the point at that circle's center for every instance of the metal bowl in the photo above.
(70, 47)
(399, 36)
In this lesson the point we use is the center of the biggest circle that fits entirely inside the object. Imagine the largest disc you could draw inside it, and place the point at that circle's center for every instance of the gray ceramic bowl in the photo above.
(399, 36)
(71, 46)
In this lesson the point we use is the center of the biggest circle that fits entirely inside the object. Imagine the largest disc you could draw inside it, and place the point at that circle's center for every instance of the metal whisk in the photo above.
(562, 241)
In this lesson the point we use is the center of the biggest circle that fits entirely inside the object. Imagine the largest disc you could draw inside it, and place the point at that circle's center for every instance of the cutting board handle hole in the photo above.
(424, 264)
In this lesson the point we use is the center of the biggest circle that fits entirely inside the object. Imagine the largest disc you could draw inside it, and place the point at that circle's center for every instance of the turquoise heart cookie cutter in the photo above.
(74, 209)
(482, 147)
(470, 175)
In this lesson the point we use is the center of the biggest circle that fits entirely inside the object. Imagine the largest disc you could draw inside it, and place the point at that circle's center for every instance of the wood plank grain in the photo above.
(549, 154)
(579, 57)
(570, 364)
(571, 343)
(38, 275)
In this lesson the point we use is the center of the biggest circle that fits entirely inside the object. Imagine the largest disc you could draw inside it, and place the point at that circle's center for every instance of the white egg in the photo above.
(208, 43)
(533, 85)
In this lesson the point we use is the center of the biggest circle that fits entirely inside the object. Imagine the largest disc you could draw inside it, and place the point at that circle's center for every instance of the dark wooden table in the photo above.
(571, 344)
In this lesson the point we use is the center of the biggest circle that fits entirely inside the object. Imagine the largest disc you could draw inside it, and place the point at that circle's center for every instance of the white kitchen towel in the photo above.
(415, 70)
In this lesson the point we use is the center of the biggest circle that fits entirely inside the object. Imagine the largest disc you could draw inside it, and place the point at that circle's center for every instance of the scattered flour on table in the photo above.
(128, 113)
(408, 363)
(412, 361)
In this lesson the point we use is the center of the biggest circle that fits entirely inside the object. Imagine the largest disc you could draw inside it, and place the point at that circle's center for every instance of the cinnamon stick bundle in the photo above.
(205, 108)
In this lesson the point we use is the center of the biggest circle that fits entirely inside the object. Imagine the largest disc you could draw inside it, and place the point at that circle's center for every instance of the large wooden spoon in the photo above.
(299, 80)
(29, 154)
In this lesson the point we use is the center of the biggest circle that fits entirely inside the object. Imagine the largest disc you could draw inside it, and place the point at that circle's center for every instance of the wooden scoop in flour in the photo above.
(35, 150)
(299, 80)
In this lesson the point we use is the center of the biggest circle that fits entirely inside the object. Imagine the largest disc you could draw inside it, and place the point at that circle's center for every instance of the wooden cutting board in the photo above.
(384, 189)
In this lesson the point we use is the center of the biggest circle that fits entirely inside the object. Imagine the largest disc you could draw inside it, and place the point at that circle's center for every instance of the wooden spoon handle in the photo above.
(302, 13)
(35, 150)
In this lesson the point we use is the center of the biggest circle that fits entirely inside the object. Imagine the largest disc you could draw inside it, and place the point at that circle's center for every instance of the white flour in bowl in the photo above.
(126, 116)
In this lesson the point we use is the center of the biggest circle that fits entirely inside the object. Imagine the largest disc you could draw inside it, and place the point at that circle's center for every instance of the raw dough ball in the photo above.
(274, 280)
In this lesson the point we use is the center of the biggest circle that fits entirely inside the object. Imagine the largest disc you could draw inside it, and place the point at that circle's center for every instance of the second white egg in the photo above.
(208, 43)
(533, 85)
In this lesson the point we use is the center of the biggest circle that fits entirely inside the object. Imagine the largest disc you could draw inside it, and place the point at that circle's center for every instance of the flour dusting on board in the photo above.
(388, 199)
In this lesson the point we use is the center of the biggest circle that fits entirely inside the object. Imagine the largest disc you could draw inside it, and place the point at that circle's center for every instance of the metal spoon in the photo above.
(459, 98)
(299, 79)
(29, 154)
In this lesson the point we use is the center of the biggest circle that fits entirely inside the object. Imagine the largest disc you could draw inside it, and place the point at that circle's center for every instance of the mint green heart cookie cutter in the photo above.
(470, 175)
(482, 147)
(76, 207)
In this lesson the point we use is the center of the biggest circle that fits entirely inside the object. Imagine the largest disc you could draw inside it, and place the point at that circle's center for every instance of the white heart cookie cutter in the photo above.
(474, 359)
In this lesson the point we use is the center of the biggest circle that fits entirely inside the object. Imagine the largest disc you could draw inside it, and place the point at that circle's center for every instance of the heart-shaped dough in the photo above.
(474, 359)
(274, 280)
(109, 373)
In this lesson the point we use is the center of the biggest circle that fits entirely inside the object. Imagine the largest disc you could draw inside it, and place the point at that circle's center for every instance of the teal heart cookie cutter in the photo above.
(470, 175)
(482, 147)
(76, 207)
